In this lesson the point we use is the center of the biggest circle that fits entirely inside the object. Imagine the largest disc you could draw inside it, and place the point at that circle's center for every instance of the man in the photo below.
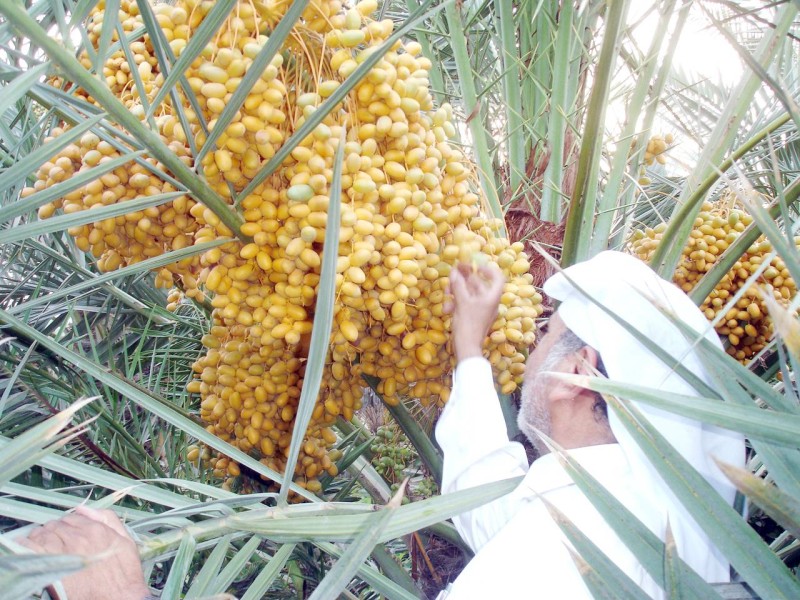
(520, 551)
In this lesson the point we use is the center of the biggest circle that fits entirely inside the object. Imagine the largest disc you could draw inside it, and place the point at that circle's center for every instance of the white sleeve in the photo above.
(472, 434)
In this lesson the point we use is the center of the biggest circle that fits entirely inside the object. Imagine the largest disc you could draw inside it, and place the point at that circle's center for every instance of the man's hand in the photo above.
(117, 573)
(476, 296)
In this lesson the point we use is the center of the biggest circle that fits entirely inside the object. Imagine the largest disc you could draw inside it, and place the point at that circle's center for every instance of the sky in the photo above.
(702, 54)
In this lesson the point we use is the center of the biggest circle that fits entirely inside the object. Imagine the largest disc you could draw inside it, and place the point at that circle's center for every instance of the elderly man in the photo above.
(520, 551)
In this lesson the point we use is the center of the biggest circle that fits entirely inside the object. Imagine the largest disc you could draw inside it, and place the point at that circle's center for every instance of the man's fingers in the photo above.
(91, 513)
(474, 284)
(484, 285)
(497, 285)
(74, 540)
(31, 545)
(85, 527)
(47, 541)
(470, 283)
(75, 520)
(458, 286)
(464, 269)
(106, 517)
(494, 276)
(491, 272)
(447, 304)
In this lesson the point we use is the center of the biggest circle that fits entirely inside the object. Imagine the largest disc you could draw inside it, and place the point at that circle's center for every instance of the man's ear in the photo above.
(586, 363)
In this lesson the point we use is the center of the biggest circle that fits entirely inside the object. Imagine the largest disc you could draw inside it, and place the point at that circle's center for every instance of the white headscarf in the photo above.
(633, 291)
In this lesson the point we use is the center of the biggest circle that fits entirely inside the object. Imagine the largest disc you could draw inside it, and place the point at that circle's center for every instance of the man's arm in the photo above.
(473, 437)
(94, 533)
(471, 430)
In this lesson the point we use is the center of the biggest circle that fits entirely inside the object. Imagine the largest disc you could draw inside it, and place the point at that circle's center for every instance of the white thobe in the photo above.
(520, 552)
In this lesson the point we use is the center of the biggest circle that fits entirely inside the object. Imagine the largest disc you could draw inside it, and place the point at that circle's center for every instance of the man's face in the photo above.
(534, 412)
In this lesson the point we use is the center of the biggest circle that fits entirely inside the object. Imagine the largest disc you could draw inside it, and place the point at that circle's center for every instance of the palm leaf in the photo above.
(24, 575)
(262, 583)
(604, 578)
(784, 508)
(342, 572)
(323, 321)
(756, 423)
(762, 570)
(180, 566)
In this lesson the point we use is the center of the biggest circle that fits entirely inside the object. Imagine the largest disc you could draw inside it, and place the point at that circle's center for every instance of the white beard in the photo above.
(534, 417)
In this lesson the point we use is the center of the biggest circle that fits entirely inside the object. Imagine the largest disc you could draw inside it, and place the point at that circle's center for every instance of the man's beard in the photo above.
(534, 417)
